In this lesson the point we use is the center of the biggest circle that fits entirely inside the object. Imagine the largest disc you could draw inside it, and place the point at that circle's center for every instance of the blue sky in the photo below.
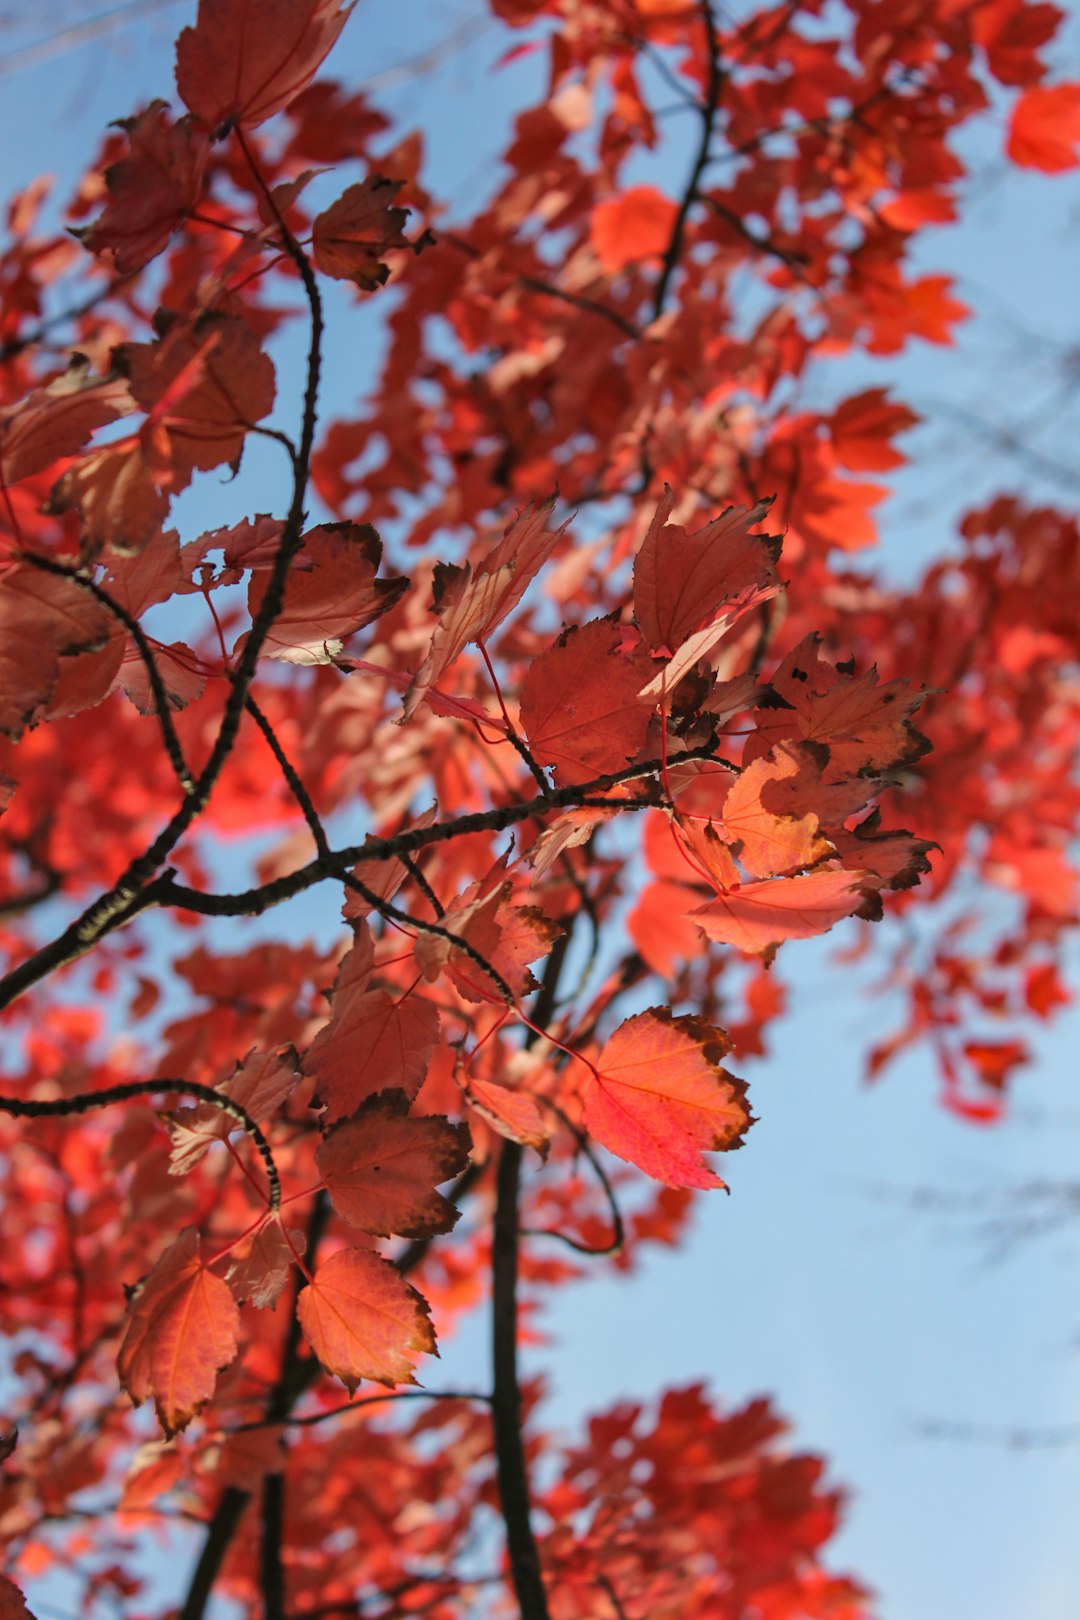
(856, 1272)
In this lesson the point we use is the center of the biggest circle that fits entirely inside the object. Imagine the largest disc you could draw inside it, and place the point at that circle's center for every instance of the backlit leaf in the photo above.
(660, 1098)
(181, 1331)
(241, 63)
(580, 706)
(381, 1167)
(758, 916)
(362, 1320)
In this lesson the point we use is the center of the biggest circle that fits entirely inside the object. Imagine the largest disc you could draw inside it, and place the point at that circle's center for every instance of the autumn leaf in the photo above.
(471, 604)
(362, 1320)
(373, 1041)
(181, 677)
(381, 1167)
(1044, 128)
(152, 191)
(660, 1098)
(155, 1468)
(260, 1084)
(57, 420)
(758, 916)
(241, 64)
(43, 619)
(635, 225)
(580, 706)
(766, 843)
(863, 427)
(499, 933)
(350, 237)
(117, 497)
(894, 858)
(382, 879)
(512, 1113)
(260, 1266)
(681, 580)
(182, 1330)
(204, 383)
(330, 593)
(866, 726)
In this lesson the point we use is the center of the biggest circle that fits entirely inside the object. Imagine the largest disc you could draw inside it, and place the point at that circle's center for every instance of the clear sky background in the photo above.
(873, 1269)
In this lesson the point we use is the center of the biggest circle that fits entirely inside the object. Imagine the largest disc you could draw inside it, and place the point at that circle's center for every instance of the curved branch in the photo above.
(58, 1107)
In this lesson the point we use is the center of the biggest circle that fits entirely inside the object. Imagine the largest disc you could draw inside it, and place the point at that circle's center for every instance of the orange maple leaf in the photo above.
(182, 1330)
(331, 592)
(681, 580)
(363, 1320)
(758, 916)
(659, 1097)
(580, 706)
(472, 603)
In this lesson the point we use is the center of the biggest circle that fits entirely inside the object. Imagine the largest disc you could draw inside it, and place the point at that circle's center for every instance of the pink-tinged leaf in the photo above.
(181, 677)
(260, 1084)
(114, 492)
(372, 1043)
(863, 428)
(866, 727)
(758, 916)
(568, 831)
(503, 935)
(331, 592)
(681, 580)
(58, 419)
(362, 1320)
(350, 237)
(242, 63)
(182, 1330)
(513, 1114)
(580, 706)
(702, 644)
(42, 619)
(660, 1098)
(472, 604)
(895, 859)
(382, 1166)
(151, 191)
(260, 1267)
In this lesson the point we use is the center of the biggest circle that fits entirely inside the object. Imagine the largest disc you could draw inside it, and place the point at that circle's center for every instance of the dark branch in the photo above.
(709, 108)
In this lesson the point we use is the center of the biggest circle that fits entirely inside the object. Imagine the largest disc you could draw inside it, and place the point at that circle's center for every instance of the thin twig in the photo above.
(709, 109)
(618, 1231)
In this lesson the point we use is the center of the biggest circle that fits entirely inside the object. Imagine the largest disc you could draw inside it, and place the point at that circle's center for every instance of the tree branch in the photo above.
(689, 197)
(86, 1101)
(510, 1457)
